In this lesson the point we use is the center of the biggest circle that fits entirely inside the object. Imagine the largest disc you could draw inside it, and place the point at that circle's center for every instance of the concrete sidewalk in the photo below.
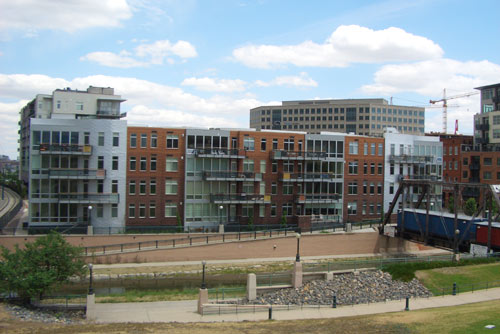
(185, 311)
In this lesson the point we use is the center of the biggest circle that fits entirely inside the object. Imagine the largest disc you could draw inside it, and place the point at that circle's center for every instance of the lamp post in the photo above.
(203, 284)
(91, 289)
(220, 214)
(90, 215)
(297, 257)
(457, 232)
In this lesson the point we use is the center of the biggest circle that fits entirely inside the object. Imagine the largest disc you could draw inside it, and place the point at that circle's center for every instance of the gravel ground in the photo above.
(359, 288)
(46, 316)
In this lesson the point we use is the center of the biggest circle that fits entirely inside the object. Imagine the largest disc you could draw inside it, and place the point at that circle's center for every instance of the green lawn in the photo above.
(468, 278)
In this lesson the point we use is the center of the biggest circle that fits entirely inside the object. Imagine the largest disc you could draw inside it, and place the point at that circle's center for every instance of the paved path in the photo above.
(185, 311)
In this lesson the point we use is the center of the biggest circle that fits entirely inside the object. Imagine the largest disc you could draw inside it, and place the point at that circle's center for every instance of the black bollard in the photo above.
(270, 313)
(334, 304)
(407, 308)
(454, 291)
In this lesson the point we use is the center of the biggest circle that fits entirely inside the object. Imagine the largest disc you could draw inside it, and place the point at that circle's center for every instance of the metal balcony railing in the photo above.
(299, 155)
(88, 198)
(317, 198)
(240, 198)
(64, 173)
(231, 176)
(219, 153)
(309, 177)
(406, 158)
(65, 149)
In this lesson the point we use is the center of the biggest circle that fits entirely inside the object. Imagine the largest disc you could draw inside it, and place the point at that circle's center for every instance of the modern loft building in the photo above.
(368, 117)
(207, 177)
(415, 158)
(73, 157)
(487, 122)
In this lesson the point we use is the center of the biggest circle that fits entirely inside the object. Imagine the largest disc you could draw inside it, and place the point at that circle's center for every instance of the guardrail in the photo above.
(184, 242)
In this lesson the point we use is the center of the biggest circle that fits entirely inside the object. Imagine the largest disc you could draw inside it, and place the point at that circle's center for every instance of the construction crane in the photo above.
(445, 105)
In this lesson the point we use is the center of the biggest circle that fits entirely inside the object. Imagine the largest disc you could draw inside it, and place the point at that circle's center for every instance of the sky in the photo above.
(207, 63)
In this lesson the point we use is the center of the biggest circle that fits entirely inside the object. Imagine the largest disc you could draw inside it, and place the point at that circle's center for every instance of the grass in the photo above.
(468, 278)
(170, 295)
(406, 271)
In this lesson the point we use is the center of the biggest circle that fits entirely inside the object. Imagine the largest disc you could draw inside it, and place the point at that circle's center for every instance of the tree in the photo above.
(40, 267)
(283, 220)
(179, 222)
(470, 206)
(250, 222)
(451, 204)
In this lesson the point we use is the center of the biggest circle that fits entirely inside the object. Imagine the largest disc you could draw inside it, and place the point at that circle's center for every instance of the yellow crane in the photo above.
(445, 105)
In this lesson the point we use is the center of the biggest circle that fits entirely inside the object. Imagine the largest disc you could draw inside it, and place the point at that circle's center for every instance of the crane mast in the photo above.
(445, 105)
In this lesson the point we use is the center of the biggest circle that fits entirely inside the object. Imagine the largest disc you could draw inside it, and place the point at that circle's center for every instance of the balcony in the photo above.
(219, 153)
(65, 149)
(483, 127)
(77, 174)
(240, 199)
(110, 114)
(231, 176)
(88, 198)
(309, 177)
(410, 159)
(289, 155)
(317, 198)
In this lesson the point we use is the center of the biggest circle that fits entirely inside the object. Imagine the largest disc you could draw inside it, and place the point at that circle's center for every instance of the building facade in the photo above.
(487, 122)
(412, 157)
(73, 158)
(357, 116)
(363, 177)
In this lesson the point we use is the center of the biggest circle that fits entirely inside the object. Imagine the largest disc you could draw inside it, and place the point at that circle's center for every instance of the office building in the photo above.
(357, 116)
(73, 158)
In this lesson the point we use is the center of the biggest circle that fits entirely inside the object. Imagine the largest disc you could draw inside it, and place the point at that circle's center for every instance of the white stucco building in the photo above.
(73, 158)
(412, 157)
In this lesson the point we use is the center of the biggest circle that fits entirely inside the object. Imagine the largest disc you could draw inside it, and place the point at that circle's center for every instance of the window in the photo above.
(152, 163)
(144, 140)
(393, 149)
(287, 189)
(275, 144)
(379, 188)
(131, 188)
(352, 208)
(365, 187)
(379, 208)
(152, 210)
(142, 210)
(365, 168)
(143, 163)
(170, 187)
(380, 169)
(247, 210)
(142, 187)
(289, 144)
(352, 188)
(353, 147)
(114, 165)
(365, 149)
(380, 149)
(172, 141)
(263, 144)
(274, 167)
(114, 210)
(116, 139)
(263, 166)
(262, 210)
(372, 168)
(86, 138)
(133, 140)
(131, 211)
(372, 152)
(372, 188)
(58, 104)
(133, 163)
(288, 167)
(248, 165)
(391, 188)
(100, 139)
(171, 165)
(287, 209)
(100, 186)
(273, 210)
(248, 143)
(274, 188)
(170, 210)
(487, 175)
(353, 167)
(154, 140)
(114, 186)
(488, 161)
(100, 162)
(79, 106)
(466, 174)
(152, 187)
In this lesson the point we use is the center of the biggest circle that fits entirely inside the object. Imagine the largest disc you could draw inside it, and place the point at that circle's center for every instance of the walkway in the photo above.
(185, 311)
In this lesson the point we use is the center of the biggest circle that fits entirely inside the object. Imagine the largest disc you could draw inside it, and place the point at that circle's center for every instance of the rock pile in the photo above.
(47, 316)
(362, 287)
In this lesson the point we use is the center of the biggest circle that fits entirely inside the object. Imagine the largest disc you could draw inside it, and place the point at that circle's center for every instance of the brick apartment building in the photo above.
(364, 177)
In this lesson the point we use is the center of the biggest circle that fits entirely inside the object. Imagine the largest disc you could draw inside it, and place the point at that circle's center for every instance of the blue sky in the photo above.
(206, 63)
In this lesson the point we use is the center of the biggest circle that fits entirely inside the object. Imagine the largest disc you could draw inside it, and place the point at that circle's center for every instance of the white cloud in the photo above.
(144, 55)
(431, 76)
(215, 85)
(147, 102)
(302, 80)
(346, 45)
(64, 15)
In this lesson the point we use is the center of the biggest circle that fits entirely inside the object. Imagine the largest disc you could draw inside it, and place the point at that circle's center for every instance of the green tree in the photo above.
(470, 206)
(250, 222)
(451, 204)
(40, 267)
(179, 222)
(283, 220)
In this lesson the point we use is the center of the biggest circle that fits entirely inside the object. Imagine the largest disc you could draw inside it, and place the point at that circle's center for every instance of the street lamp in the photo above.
(220, 214)
(90, 215)
(457, 232)
(91, 289)
(203, 284)
(297, 257)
